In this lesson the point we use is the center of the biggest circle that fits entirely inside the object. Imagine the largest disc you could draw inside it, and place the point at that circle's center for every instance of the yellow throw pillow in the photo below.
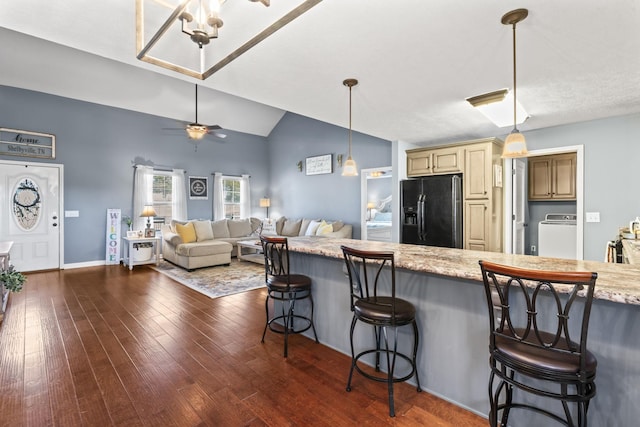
(186, 232)
(324, 228)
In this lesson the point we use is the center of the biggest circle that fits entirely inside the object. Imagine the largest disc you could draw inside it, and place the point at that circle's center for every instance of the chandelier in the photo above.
(178, 38)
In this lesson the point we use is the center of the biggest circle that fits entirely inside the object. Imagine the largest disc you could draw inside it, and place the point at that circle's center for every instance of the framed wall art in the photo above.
(15, 142)
(198, 188)
(317, 165)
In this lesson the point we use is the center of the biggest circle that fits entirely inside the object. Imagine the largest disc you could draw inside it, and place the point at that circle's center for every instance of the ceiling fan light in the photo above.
(196, 131)
(515, 146)
(350, 168)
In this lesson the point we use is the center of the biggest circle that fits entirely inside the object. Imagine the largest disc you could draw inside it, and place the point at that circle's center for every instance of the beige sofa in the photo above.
(203, 243)
(289, 227)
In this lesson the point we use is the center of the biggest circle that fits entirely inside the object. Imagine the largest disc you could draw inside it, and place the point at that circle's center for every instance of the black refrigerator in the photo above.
(431, 209)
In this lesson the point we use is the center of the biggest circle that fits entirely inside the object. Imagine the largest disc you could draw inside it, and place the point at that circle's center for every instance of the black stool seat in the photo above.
(552, 362)
(293, 282)
(522, 355)
(378, 310)
(373, 304)
(286, 288)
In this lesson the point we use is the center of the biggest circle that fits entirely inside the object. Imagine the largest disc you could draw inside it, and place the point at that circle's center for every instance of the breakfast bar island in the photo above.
(446, 287)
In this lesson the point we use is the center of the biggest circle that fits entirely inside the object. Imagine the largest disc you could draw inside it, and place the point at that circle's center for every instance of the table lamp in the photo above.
(265, 203)
(148, 212)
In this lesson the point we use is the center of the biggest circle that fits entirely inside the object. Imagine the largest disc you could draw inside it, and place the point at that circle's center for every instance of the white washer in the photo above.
(557, 236)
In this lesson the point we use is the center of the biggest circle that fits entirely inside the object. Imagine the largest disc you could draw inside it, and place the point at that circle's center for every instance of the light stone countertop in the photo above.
(631, 251)
(616, 282)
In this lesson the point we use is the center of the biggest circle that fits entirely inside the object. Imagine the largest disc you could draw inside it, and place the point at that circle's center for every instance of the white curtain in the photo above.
(245, 197)
(142, 194)
(179, 193)
(218, 199)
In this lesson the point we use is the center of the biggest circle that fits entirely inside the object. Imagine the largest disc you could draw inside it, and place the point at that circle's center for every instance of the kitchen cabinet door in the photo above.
(477, 223)
(552, 177)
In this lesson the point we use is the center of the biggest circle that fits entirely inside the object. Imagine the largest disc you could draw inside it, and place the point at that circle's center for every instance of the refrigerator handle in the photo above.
(457, 214)
(424, 218)
(422, 229)
(419, 216)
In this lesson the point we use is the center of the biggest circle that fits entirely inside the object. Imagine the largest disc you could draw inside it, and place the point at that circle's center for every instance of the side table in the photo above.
(128, 243)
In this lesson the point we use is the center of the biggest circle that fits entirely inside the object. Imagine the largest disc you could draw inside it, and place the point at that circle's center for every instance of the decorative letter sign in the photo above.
(113, 236)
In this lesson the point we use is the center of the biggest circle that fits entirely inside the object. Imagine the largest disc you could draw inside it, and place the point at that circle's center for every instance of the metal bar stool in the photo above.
(531, 341)
(366, 270)
(286, 288)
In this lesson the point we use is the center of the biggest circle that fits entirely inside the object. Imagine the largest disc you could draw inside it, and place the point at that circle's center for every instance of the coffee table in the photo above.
(250, 250)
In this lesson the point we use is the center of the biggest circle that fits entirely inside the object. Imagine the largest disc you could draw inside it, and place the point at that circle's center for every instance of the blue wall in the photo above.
(98, 146)
(329, 196)
(611, 149)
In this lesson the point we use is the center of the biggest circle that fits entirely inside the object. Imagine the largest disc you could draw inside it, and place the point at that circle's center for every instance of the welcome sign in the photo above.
(113, 236)
(14, 142)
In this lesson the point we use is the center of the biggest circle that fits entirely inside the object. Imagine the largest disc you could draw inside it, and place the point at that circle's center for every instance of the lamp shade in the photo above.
(350, 168)
(371, 205)
(148, 211)
(265, 202)
(515, 146)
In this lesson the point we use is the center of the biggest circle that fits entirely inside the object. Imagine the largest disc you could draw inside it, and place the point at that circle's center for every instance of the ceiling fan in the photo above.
(197, 131)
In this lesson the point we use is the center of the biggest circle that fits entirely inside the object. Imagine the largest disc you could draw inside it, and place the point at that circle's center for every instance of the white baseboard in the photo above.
(84, 264)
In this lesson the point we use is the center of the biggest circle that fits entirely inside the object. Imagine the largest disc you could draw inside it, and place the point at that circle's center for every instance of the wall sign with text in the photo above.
(319, 164)
(198, 188)
(14, 142)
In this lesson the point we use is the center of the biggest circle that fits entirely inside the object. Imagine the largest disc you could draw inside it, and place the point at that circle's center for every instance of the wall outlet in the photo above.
(593, 216)
(533, 249)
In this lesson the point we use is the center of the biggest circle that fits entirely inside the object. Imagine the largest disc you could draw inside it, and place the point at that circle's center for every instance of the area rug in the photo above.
(217, 281)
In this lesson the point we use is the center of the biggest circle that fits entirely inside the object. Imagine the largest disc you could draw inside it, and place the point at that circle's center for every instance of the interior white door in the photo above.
(518, 206)
(30, 202)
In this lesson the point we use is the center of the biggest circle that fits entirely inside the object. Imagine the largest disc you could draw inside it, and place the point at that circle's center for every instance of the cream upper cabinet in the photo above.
(478, 171)
(434, 161)
(552, 177)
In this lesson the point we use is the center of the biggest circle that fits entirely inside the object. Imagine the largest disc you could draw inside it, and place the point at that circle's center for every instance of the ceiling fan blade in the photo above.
(214, 127)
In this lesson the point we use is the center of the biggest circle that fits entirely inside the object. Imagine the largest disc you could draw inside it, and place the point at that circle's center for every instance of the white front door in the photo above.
(519, 201)
(30, 204)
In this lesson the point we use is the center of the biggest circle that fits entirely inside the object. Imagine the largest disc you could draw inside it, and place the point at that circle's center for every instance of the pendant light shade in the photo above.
(350, 168)
(515, 144)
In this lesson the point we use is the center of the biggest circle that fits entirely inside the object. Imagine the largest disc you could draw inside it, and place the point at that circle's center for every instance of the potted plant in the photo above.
(10, 281)
(127, 220)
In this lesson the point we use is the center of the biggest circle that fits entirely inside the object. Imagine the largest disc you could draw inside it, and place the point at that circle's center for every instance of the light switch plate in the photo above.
(71, 214)
(593, 216)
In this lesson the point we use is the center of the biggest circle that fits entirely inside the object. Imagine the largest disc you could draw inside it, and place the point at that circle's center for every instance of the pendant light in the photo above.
(515, 144)
(350, 168)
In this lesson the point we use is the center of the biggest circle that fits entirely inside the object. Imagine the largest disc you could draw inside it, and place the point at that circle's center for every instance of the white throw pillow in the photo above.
(203, 230)
(312, 228)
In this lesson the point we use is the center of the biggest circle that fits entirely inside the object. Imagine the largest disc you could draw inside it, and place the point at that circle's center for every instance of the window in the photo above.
(164, 190)
(232, 197)
(162, 196)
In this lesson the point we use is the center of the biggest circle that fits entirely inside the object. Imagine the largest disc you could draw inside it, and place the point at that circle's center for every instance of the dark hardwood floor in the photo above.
(105, 346)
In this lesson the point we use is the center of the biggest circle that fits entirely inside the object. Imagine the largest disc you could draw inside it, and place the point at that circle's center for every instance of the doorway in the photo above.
(376, 201)
(30, 214)
(514, 198)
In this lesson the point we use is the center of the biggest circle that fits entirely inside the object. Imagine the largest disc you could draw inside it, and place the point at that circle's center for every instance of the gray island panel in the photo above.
(445, 285)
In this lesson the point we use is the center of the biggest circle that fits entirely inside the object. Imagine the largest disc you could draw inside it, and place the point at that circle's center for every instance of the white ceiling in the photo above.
(416, 60)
